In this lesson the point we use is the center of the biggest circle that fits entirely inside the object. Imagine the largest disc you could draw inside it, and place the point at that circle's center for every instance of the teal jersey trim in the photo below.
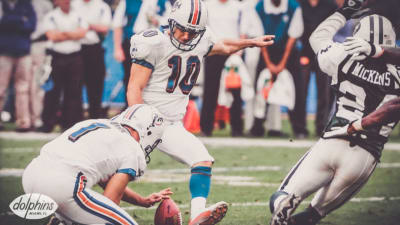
(131, 172)
(143, 63)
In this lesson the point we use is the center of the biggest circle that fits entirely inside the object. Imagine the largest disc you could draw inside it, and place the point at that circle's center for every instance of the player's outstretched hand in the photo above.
(156, 197)
(262, 41)
(361, 49)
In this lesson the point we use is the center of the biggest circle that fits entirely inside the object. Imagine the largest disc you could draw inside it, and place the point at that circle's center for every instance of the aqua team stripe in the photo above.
(95, 207)
(131, 172)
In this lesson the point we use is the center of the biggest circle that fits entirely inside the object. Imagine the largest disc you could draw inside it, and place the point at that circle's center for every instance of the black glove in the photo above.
(350, 7)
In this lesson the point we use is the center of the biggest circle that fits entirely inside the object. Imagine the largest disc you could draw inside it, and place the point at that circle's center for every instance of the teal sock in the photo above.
(200, 181)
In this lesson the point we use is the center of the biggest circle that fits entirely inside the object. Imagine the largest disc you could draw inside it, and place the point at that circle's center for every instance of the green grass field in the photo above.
(247, 191)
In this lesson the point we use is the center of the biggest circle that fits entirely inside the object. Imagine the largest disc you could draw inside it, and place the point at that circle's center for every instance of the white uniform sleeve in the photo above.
(132, 161)
(329, 54)
(211, 39)
(119, 19)
(132, 165)
(323, 35)
(330, 58)
(296, 27)
(142, 48)
(82, 22)
(105, 14)
(49, 22)
(251, 24)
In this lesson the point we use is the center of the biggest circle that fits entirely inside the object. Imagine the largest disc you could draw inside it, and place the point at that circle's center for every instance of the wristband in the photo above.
(357, 125)
(378, 51)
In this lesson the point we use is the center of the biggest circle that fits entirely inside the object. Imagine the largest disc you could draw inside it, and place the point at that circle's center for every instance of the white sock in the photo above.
(197, 205)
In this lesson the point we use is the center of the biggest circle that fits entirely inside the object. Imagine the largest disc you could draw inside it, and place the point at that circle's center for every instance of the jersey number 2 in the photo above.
(192, 72)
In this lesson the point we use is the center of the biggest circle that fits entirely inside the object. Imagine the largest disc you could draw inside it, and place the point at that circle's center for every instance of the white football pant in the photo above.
(66, 186)
(334, 169)
(182, 145)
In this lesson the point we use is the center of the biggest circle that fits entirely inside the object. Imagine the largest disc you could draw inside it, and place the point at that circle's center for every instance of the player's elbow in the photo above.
(134, 95)
(113, 196)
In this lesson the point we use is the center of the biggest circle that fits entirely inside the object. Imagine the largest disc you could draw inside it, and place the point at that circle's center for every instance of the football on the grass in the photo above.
(168, 213)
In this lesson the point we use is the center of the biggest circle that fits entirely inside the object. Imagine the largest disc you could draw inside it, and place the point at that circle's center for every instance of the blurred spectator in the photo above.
(284, 19)
(98, 15)
(223, 18)
(235, 88)
(17, 22)
(251, 27)
(38, 55)
(64, 28)
(314, 12)
(130, 17)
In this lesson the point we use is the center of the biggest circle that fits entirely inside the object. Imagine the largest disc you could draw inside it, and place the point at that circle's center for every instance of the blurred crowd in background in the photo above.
(58, 60)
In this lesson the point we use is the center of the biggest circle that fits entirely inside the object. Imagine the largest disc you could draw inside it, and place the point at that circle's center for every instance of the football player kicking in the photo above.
(339, 164)
(104, 152)
(165, 67)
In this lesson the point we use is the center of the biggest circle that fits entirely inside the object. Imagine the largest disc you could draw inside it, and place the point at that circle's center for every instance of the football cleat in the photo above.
(212, 215)
(285, 209)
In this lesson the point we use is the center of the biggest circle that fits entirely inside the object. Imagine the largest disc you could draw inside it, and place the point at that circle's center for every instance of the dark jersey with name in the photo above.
(361, 87)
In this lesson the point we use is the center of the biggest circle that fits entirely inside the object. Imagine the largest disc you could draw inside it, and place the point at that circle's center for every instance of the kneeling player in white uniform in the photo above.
(165, 66)
(104, 152)
(339, 164)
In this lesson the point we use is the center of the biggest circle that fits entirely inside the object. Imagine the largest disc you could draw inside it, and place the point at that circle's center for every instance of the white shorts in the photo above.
(66, 186)
(334, 169)
(183, 146)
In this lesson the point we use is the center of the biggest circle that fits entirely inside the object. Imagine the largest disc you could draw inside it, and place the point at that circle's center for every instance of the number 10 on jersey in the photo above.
(190, 78)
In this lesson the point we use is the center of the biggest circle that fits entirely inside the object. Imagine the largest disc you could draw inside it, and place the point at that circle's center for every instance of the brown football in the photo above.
(168, 213)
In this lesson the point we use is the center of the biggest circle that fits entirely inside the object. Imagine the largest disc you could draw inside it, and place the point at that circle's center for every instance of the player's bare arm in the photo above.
(230, 46)
(387, 113)
(391, 55)
(76, 34)
(140, 75)
(115, 187)
(56, 36)
(100, 28)
(134, 198)
(118, 51)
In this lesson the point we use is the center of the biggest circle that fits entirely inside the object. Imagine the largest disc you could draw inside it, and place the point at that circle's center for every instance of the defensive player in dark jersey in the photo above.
(338, 165)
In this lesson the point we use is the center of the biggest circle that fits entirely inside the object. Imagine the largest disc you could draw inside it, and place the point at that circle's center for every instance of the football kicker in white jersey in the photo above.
(165, 67)
(104, 152)
(339, 164)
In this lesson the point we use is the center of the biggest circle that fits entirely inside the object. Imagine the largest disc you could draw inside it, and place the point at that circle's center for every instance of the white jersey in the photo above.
(99, 149)
(174, 71)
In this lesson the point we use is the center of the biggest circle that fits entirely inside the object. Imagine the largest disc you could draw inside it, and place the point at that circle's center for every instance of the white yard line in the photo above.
(171, 174)
(263, 204)
(213, 141)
